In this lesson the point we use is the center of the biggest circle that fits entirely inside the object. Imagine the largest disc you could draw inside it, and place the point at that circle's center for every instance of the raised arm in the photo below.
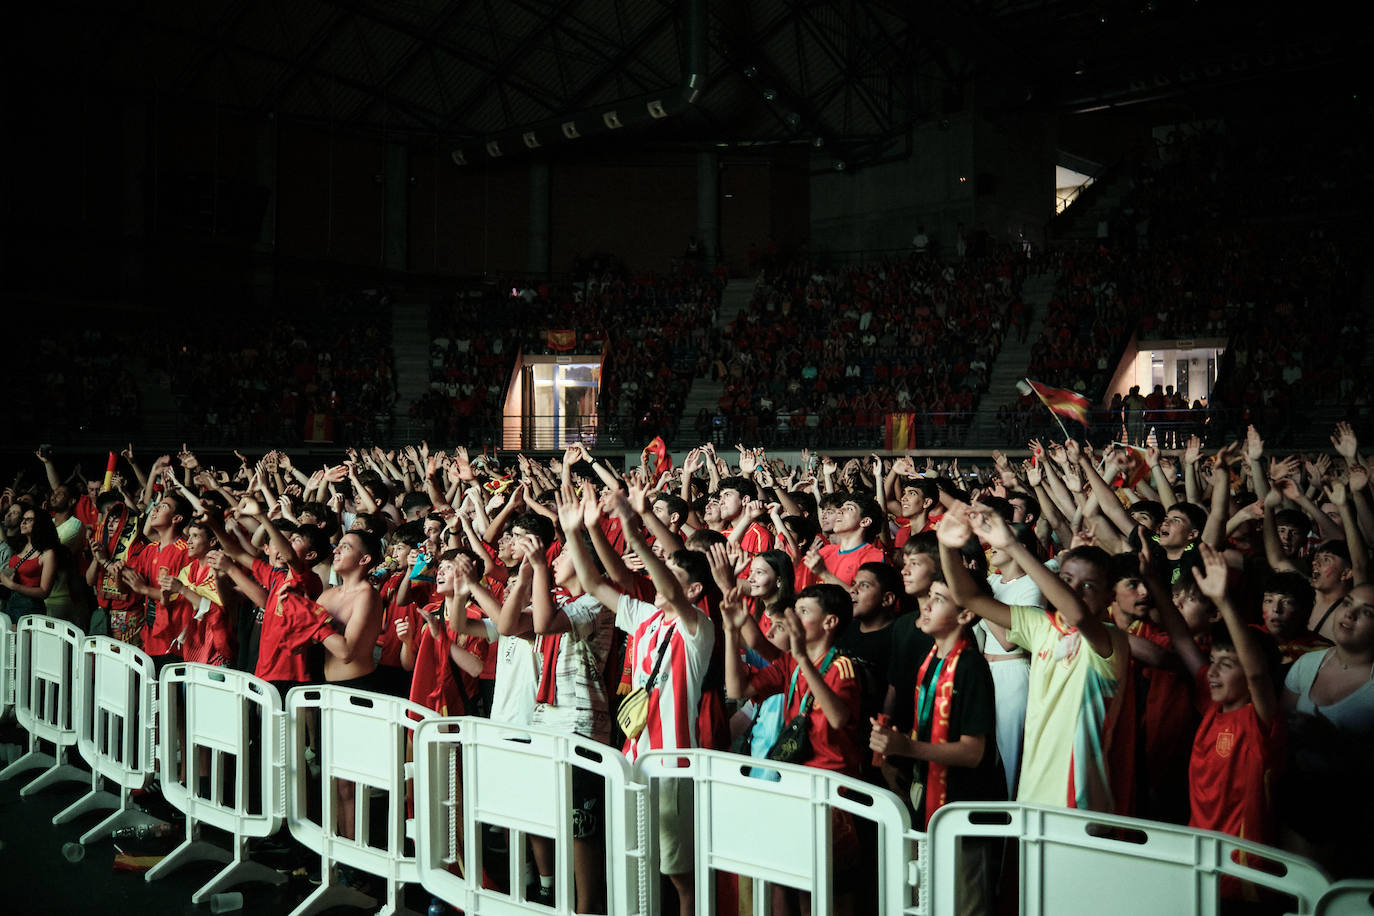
(251, 589)
(1111, 507)
(1212, 578)
(663, 578)
(1214, 532)
(953, 532)
(573, 514)
(1339, 494)
(991, 527)
(252, 509)
(1254, 452)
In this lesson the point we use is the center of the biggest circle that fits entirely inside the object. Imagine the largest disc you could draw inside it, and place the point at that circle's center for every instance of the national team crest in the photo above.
(1226, 742)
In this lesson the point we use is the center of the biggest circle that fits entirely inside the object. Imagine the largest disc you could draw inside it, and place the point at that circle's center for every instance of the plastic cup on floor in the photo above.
(226, 903)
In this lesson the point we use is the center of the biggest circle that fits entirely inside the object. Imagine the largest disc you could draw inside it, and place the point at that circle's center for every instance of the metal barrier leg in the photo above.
(241, 870)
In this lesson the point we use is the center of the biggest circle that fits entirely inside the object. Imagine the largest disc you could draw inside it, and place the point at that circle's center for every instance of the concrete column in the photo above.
(708, 205)
(397, 225)
(538, 261)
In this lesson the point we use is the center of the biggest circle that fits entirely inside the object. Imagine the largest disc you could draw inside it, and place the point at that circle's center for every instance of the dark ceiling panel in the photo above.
(844, 68)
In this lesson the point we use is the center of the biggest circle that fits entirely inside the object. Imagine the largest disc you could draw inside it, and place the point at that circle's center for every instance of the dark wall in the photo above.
(642, 209)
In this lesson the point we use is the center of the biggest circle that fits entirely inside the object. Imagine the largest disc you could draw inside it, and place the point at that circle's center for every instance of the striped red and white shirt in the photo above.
(675, 696)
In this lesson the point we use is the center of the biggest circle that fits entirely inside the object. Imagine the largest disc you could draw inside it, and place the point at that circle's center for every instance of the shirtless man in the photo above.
(356, 609)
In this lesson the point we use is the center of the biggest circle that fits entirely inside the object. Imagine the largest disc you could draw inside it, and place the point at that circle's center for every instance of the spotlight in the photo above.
(770, 94)
(751, 71)
(531, 141)
(656, 109)
(818, 142)
(612, 120)
(839, 165)
(458, 157)
(793, 120)
(570, 130)
(493, 149)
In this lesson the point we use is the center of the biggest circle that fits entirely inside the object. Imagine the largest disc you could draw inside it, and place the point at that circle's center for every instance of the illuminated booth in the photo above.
(551, 401)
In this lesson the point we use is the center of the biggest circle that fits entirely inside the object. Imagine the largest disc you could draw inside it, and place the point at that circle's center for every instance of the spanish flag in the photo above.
(1062, 402)
(562, 340)
(899, 432)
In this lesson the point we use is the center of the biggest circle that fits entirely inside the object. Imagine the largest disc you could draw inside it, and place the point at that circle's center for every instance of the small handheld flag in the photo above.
(1061, 402)
(110, 464)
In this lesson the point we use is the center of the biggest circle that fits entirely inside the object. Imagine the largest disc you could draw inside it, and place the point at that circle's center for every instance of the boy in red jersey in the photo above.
(278, 585)
(856, 527)
(820, 683)
(165, 552)
(193, 595)
(1238, 744)
(731, 495)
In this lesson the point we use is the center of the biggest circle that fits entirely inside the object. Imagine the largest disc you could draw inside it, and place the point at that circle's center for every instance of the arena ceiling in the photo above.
(842, 72)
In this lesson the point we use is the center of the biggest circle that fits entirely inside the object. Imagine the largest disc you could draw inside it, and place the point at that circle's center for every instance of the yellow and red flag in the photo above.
(899, 432)
(562, 340)
(1064, 403)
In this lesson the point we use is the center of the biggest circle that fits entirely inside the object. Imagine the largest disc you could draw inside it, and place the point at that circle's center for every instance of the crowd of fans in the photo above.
(1188, 638)
(325, 373)
(1195, 254)
(827, 355)
(653, 330)
(82, 381)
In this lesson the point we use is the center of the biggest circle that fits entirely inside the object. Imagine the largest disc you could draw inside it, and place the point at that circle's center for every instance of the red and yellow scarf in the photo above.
(933, 704)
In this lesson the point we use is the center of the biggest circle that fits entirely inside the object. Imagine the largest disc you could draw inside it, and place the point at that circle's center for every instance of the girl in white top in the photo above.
(1338, 684)
(1009, 663)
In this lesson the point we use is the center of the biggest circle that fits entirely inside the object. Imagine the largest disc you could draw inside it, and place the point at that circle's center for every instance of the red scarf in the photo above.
(547, 647)
(935, 705)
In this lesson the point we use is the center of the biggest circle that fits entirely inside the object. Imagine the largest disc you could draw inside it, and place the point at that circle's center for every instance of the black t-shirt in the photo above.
(971, 713)
(908, 649)
(871, 654)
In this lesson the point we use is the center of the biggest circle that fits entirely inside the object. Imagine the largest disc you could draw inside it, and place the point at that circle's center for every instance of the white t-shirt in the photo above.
(580, 705)
(517, 678)
(675, 695)
(1021, 592)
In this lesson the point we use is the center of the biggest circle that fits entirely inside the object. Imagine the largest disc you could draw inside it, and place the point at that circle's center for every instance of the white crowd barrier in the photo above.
(244, 773)
(780, 833)
(7, 672)
(364, 739)
(1083, 862)
(1347, 898)
(473, 774)
(46, 655)
(116, 722)
(235, 722)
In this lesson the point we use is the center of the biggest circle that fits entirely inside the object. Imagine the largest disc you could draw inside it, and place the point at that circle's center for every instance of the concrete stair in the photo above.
(410, 345)
(1010, 366)
(705, 392)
